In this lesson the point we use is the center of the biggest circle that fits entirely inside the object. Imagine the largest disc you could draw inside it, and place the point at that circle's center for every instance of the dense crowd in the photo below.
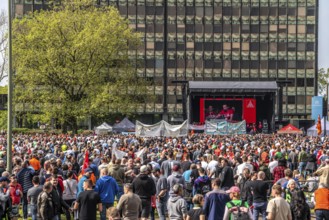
(197, 177)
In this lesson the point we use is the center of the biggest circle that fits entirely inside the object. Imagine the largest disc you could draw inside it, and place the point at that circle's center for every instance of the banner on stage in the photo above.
(225, 128)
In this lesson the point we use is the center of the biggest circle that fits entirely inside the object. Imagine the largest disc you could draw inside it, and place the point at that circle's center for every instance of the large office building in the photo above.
(220, 40)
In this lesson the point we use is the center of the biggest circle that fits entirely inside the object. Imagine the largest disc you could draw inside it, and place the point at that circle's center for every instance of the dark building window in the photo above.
(282, 11)
(300, 82)
(254, 64)
(227, 11)
(292, 11)
(273, 11)
(254, 46)
(272, 64)
(310, 28)
(190, 10)
(208, 46)
(149, 63)
(291, 100)
(198, 46)
(264, 11)
(208, 64)
(300, 64)
(171, 63)
(310, 12)
(254, 11)
(310, 46)
(218, 46)
(282, 64)
(235, 64)
(244, 64)
(254, 28)
(309, 82)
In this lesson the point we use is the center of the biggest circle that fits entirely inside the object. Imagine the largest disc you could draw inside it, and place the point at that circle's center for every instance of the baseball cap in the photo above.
(3, 178)
(143, 169)
(88, 170)
(233, 189)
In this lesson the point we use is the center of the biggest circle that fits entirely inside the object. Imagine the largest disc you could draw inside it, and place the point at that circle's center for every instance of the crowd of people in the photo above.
(274, 177)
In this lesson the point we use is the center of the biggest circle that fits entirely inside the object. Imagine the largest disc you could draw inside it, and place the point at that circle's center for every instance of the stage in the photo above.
(233, 101)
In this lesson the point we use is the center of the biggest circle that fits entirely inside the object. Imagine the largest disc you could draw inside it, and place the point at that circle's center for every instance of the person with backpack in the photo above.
(196, 213)
(236, 209)
(202, 184)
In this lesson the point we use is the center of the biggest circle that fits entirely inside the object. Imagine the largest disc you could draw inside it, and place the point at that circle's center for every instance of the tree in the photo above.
(72, 62)
(323, 80)
(3, 45)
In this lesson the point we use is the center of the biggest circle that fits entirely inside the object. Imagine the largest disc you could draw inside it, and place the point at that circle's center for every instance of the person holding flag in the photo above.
(318, 126)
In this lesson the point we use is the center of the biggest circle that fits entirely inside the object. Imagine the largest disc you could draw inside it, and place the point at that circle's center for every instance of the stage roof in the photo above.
(233, 86)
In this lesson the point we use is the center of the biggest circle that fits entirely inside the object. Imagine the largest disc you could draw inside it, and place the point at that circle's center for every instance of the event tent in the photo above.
(289, 129)
(312, 131)
(124, 126)
(103, 128)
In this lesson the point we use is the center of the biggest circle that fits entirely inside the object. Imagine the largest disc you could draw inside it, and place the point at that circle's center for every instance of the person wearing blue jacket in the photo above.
(86, 175)
(107, 188)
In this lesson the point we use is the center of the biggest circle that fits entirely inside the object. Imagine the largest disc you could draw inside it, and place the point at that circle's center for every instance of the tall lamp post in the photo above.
(10, 90)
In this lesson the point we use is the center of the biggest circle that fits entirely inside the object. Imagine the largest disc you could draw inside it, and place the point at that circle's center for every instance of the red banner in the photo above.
(249, 110)
(202, 118)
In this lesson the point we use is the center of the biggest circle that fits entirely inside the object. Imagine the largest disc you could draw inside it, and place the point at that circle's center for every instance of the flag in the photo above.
(86, 162)
(140, 153)
(118, 153)
(318, 126)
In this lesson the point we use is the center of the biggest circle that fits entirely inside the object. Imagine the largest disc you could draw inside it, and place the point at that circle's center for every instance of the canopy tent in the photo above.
(124, 126)
(312, 131)
(289, 129)
(103, 128)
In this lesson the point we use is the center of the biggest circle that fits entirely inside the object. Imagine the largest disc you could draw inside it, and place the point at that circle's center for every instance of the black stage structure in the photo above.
(264, 92)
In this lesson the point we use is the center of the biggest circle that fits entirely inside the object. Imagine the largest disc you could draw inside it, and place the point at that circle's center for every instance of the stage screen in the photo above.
(228, 109)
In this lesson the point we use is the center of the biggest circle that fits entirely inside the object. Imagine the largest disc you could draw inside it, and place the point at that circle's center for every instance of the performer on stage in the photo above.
(210, 113)
(226, 113)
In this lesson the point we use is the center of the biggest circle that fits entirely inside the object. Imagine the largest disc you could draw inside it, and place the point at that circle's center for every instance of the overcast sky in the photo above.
(323, 31)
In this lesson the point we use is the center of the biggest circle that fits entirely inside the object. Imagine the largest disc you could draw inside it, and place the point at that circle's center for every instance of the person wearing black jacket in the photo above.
(226, 176)
(57, 198)
(144, 187)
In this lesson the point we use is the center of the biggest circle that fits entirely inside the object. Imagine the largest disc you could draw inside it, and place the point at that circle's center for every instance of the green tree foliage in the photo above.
(323, 80)
(72, 62)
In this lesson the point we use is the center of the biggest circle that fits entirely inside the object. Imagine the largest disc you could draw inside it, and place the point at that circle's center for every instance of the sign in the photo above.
(249, 110)
(317, 106)
(225, 128)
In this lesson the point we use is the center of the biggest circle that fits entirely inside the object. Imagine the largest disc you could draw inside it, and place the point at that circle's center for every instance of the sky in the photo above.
(323, 58)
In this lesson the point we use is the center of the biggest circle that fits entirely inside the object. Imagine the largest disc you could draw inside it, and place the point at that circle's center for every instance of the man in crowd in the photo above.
(215, 201)
(130, 205)
(161, 193)
(144, 187)
(177, 207)
(107, 188)
(175, 178)
(87, 202)
(85, 176)
(259, 190)
(32, 196)
(278, 208)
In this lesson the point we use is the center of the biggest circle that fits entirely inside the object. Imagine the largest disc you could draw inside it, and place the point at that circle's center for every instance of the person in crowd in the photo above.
(32, 196)
(277, 207)
(323, 172)
(35, 163)
(302, 160)
(57, 198)
(242, 183)
(87, 202)
(293, 159)
(321, 196)
(16, 193)
(259, 190)
(202, 184)
(161, 193)
(167, 165)
(215, 201)
(118, 173)
(70, 192)
(245, 164)
(175, 178)
(196, 213)
(278, 172)
(113, 214)
(144, 187)
(274, 163)
(236, 206)
(24, 178)
(177, 207)
(130, 205)
(46, 207)
(226, 176)
(87, 174)
(107, 188)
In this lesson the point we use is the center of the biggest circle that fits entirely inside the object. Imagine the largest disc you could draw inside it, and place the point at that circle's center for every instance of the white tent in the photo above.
(312, 131)
(103, 128)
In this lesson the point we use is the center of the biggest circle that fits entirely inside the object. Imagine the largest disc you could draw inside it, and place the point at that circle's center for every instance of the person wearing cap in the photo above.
(86, 175)
(144, 187)
(175, 178)
(130, 205)
(230, 207)
(177, 207)
(278, 208)
(161, 192)
(323, 172)
(107, 188)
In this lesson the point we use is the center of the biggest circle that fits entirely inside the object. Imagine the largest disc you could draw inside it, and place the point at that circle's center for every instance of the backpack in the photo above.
(240, 214)
(204, 187)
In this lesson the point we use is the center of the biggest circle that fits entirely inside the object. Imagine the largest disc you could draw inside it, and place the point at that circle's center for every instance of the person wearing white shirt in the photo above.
(244, 165)
(273, 164)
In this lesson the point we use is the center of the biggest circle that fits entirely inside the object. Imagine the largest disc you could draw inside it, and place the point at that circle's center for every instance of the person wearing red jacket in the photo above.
(16, 190)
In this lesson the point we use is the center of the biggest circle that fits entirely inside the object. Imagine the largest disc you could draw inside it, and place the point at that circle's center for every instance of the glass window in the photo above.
(272, 64)
(236, 11)
(310, 29)
(245, 11)
(310, 46)
(309, 82)
(282, 46)
(300, 100)
(244, 64)
(227, 28)
(254, 28)
(301, 11)
(264, 11)
(254, 11)
(227, 11)
(199, 11)
(245, 28)
(209, 11)
(291, 64)
(300, 64)
(282, 11)
(190, 10)
(273, 11)
(291, 99)
(310, 11)
(263, 46)
(292, 11)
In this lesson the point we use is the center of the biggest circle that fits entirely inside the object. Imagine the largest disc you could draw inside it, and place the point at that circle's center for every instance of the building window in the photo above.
(291, 100)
